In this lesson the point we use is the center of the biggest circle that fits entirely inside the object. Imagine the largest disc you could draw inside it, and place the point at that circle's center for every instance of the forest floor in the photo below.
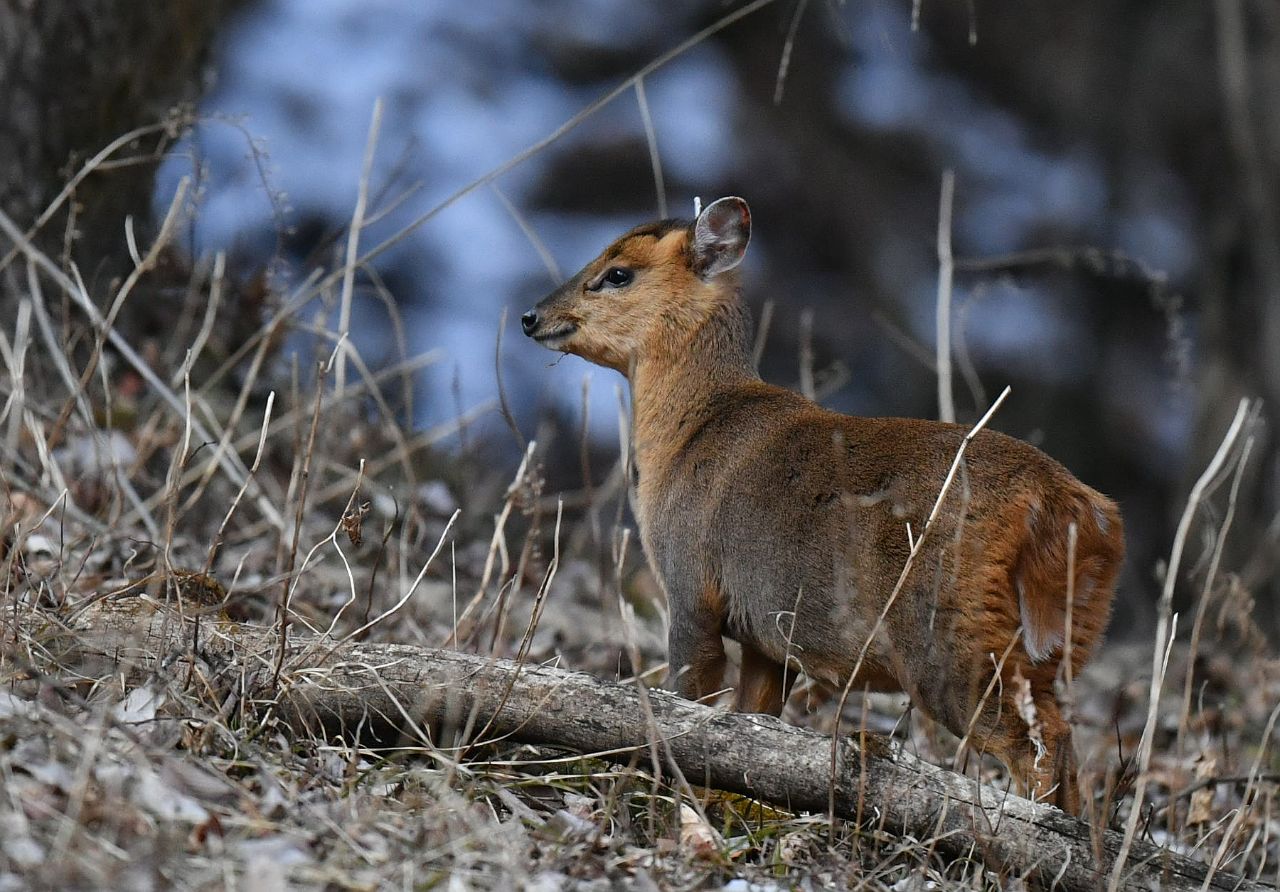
(168, 484)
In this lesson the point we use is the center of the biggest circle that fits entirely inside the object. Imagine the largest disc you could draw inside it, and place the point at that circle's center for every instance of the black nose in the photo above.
(529, 322)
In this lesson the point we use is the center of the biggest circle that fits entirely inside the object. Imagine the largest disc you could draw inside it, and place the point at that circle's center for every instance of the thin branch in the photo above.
(806, 355)
(353, 243)
(784, 64)
(230, 464)
(504, 405)
(651, 138)
(1164, 637)
(544, 254)
(946, 404)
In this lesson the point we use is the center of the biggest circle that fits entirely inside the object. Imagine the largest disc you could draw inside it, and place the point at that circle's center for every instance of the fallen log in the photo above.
(318, 683)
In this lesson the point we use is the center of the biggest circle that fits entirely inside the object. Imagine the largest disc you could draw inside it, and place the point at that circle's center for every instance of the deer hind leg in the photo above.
(763, 685)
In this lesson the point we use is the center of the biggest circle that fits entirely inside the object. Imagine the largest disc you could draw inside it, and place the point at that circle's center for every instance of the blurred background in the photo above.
(1115, 223)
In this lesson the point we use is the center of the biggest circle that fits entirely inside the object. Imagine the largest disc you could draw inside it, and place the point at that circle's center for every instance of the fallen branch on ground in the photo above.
(403, 689)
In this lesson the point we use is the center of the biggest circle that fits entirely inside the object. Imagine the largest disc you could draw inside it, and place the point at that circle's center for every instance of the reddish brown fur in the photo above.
(782, 525)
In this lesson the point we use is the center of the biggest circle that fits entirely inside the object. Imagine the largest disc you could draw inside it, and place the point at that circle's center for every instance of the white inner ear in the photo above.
(705, 238)
(719, 250)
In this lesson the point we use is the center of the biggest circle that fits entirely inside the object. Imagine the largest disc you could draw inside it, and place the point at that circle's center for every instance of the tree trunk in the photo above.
(73, 77)
(347, 688)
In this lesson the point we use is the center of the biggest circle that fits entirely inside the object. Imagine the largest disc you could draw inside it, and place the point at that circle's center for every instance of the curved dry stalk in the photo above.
(94, 163)
(946, 268)
(353, 243)
(404, 599)
(1164, 636)
(651, 138)
(1238, 817)
(544, 253)
(253, 469)
(290, 580)
(141, 267)
(784, 64)
(231, 466)
(496, 544)
(76, 390)
(540, 597)
(333, 537)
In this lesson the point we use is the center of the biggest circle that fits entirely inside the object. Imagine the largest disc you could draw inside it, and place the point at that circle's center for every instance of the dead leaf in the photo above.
(696, 835)
(1026, 705)
(1201, 809)
(353, 522)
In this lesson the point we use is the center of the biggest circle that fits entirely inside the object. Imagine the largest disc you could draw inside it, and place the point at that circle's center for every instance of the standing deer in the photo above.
(785, 527)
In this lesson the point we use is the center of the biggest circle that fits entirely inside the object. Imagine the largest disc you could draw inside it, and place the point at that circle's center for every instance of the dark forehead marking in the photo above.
(657, 230)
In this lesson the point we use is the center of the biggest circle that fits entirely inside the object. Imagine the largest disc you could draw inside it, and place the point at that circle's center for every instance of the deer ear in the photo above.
(720, 236)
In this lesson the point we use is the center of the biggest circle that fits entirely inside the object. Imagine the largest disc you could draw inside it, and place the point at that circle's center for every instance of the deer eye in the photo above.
(618, 277)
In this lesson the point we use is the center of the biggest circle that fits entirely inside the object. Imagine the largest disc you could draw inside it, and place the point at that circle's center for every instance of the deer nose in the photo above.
(529, 321)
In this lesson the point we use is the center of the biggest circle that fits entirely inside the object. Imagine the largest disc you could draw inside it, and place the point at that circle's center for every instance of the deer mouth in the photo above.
(557, 338)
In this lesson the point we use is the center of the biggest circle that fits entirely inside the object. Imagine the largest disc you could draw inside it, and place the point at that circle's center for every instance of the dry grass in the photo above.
(283, 488)
(154, 783)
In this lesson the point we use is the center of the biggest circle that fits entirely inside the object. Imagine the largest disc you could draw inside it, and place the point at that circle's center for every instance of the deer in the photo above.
(784, 526)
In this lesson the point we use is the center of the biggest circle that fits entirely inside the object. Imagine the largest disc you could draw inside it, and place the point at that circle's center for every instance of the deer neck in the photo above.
(676, 384)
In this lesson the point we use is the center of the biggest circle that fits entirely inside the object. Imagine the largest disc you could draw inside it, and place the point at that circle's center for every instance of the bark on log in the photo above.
(358, 685)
